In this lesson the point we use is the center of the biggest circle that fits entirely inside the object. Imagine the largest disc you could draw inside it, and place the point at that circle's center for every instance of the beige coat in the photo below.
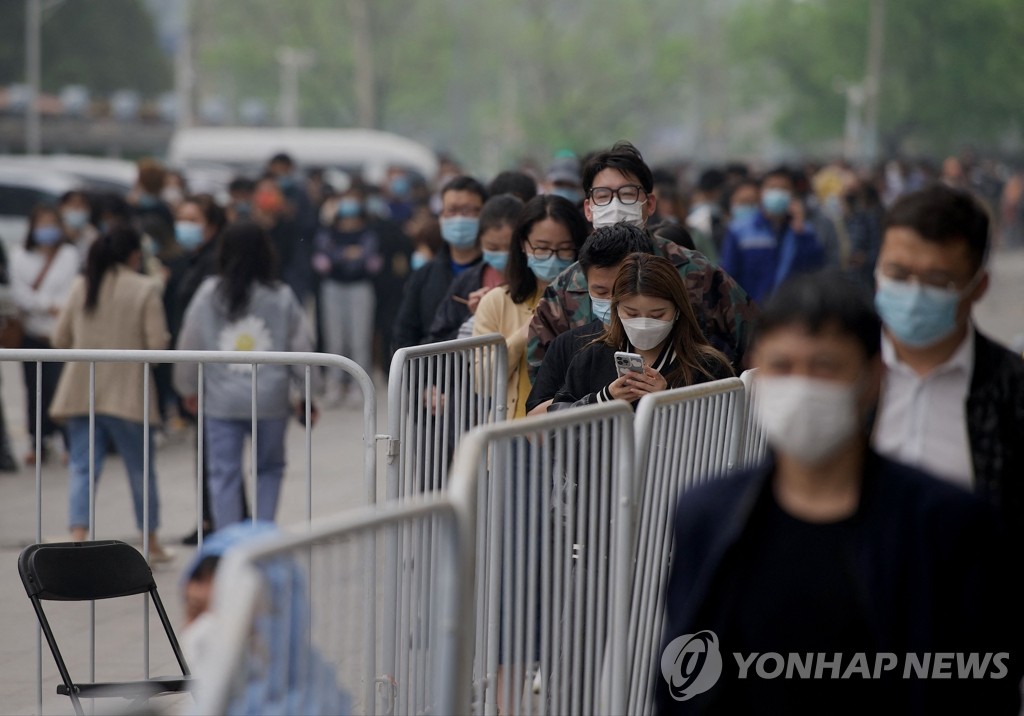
(496, 313)
(129, 315)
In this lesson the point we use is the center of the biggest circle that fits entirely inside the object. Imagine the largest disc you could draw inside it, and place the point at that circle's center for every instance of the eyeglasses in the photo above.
(939, 280)
(544, 254)
(628, 194)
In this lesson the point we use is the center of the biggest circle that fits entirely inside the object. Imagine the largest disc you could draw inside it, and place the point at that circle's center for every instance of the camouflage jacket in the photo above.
(723, 309)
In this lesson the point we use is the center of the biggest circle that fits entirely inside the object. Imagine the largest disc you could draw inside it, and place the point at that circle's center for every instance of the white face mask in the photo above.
(646, 333)
(807, 419)
(615, 211)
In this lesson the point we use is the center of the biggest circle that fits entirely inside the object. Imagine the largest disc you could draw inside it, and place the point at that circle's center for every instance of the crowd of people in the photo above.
(871, 407)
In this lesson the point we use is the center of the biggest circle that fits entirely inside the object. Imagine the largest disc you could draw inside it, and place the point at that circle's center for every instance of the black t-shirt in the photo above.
(789, 589)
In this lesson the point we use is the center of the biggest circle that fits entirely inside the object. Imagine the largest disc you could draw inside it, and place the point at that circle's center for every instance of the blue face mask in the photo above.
(498, 260)
(776, 201)
(47, 235)
(460, 231)
(547, 269)
(602, 308)
(917, 315)
(418, 261)
(188, 234)
(349, 208)
(76, 218)
(399, 187)
(744, 213)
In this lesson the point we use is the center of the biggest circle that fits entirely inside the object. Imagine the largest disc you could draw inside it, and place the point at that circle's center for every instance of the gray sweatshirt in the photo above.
(273, 321)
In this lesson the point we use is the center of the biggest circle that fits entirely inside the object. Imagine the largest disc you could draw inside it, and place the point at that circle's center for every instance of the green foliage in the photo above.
(104, 45)
(950, 71)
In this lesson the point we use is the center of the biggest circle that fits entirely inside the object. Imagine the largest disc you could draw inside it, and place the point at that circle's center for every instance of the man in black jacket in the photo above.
(829, 557)
(461, 201)
(953, 402)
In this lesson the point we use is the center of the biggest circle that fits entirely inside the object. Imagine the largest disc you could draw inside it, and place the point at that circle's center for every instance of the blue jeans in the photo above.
(226, 441)
(127, 437)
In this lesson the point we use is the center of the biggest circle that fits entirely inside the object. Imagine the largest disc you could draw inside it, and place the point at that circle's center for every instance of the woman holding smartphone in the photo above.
(652, 343)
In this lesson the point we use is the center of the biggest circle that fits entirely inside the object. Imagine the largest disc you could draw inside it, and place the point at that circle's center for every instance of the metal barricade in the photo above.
(553, 560)
(296, 631)
(253, 360)
(436, 393)
(753, 445)
(683, 437)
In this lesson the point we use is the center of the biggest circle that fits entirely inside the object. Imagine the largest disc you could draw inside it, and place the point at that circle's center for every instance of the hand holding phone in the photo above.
(628, 363)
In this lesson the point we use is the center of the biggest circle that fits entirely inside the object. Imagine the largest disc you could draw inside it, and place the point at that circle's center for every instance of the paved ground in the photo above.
(337, 484)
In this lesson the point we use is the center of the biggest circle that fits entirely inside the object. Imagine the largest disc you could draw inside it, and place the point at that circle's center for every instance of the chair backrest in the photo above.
(74, 571)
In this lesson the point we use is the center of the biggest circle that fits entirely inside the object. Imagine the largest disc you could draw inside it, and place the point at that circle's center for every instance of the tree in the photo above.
(105, 46)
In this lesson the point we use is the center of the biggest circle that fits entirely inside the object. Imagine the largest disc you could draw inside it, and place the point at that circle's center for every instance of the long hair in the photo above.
(245, 257)
(109, 250)
(521, 282)
(654, 276)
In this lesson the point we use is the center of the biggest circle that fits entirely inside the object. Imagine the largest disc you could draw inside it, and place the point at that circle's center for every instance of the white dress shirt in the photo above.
(39, 305)
(922, 419)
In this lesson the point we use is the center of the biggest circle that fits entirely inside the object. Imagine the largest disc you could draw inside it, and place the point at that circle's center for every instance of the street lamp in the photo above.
(292, 61)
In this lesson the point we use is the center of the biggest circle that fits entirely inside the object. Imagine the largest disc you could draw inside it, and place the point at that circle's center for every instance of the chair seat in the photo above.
(131, 689)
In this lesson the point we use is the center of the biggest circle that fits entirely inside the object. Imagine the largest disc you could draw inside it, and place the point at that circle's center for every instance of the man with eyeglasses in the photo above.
(953, 401)
(619, 187)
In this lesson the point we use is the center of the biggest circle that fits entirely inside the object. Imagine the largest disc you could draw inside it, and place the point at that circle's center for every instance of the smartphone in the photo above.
(628, 363)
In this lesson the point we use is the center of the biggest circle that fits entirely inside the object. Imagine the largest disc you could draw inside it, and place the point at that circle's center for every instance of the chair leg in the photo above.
(65, 676)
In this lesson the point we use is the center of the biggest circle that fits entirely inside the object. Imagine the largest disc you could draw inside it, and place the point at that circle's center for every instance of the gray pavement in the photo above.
(337, 484)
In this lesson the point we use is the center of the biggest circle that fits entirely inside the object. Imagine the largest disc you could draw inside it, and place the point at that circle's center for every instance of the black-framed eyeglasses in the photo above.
(628, 194)
(543, 254)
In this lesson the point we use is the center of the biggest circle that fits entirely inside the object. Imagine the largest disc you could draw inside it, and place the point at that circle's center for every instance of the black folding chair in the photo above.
(82, 571)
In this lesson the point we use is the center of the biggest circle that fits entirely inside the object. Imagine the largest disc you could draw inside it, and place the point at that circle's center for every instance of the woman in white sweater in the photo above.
(41, 273)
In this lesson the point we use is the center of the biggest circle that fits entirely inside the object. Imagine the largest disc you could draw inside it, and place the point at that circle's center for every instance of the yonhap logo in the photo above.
(691, 664)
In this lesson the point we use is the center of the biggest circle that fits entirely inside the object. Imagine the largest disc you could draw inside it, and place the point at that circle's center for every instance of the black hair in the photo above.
(246, 257)
(780, 171)
(282, 158)
(610, 245)
(520, 184)
(944, 215)
(206, 568)
(822, 301)
(748, 181)
(74, 194)
(624, 158)
(465, 183)
(500, 210)
(115, 205)
(109, 250)
(241, 184)
(676, 233)
(522, 284)
(711, 180)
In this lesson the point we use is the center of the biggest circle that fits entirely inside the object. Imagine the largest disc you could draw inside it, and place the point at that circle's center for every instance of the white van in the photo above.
(247, 150)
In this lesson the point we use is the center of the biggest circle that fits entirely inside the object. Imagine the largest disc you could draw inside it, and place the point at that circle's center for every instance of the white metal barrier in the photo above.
(297, 632)
(554, 549)
(753, 445)
(436, 393)
(683, 437)
(255, 359)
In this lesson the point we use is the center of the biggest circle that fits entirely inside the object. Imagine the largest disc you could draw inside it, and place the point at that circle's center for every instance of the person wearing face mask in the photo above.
(619, 188)
(953, 402)
(650, 316)
(563, 179)
(829, 549)
(601, 257)
(455, 314)
(347, 257)
(462, 199)
(545, 242)
(777, 243)
(76, 212)
(41, 273)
